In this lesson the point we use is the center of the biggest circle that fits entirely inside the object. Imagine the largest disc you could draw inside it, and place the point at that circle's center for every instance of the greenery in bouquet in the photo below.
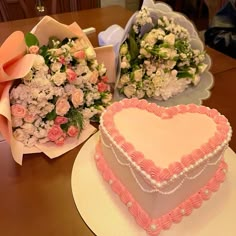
(65, 89)
(157, 60)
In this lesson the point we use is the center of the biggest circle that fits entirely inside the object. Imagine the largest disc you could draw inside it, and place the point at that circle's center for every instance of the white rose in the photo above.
(90, 53)
(140, 94)
(56, 66)
(102, 69)
(38, 62)
(129, 90)
(59, 78)
(124, 64)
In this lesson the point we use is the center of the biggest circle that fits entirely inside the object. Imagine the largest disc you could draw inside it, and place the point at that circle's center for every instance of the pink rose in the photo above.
(55, 133)
(62, 106)
(77, 97)
(62, 60)
(104, 79)
(18, 111)
(80, 54)
(72, 131)
(94, 77)
(61, 120)
(71, 75)
(29, 118)
(33, 49)
(102, 87)
(60, 141)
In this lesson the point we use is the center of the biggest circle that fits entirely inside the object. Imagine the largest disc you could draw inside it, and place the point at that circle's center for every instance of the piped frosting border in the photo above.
(157, 176)
(155, 226)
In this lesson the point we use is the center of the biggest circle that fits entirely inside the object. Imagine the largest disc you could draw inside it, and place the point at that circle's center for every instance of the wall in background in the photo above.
(132, 5)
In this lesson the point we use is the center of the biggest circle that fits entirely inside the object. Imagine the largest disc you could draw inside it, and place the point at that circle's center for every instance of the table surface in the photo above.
(36, 198)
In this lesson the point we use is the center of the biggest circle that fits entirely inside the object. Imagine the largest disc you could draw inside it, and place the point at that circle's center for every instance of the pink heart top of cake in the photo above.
(165, 142)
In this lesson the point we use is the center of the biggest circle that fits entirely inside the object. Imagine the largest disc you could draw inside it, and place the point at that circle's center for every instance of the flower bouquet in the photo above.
(161, 58)
(64, 88)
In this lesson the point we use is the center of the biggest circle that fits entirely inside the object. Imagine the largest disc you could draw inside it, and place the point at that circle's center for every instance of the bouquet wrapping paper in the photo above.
(15, 63)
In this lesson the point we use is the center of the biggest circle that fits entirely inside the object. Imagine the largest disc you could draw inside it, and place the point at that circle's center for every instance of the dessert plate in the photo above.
(105, 214)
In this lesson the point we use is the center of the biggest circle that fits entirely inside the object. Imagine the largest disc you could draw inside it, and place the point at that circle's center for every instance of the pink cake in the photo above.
(162, 162)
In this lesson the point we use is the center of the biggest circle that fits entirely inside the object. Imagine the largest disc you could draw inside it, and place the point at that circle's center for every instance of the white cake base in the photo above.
(106, 215)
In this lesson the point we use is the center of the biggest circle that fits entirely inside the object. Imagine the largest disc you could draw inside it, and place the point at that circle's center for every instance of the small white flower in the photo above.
(138, 74)
(123, 49)
(107, 98)
(170, 39)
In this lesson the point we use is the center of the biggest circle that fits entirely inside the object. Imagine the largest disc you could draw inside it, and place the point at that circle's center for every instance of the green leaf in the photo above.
(134, 51)
(31, 39)
(51, 115)
(184, 74)
(75, 117)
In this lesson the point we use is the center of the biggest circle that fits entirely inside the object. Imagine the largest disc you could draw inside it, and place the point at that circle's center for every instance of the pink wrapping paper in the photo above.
(14, 64)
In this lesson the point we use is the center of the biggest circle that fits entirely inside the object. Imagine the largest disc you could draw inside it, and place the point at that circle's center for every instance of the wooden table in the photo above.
(36, 198)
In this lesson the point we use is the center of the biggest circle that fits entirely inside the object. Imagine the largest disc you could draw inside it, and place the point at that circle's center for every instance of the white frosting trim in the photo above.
(155, 187)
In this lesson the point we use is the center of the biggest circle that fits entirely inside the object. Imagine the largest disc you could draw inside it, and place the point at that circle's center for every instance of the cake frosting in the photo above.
(162, 162)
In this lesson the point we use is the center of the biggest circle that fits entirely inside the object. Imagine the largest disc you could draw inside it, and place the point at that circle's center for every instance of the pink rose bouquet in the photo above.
(65, 89)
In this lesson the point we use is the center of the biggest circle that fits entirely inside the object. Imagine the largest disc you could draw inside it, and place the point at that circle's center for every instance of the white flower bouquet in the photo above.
(51, 87)
(158, 58)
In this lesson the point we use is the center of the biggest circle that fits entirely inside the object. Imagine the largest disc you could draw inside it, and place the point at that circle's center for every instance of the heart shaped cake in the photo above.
(162, 162)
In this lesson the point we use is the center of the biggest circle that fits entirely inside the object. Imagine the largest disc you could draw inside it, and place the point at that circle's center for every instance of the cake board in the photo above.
(106, 215)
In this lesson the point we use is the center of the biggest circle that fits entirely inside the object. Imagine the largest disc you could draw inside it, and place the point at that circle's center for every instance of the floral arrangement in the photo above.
(157, 60)
(64, 90)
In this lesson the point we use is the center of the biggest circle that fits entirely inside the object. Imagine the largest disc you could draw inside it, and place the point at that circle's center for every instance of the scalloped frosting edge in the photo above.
(157, 176)
(154, 226)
